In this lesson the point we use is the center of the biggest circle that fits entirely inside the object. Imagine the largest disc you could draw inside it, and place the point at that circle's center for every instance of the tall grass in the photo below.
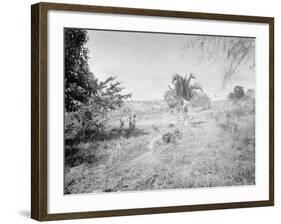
(216, 150)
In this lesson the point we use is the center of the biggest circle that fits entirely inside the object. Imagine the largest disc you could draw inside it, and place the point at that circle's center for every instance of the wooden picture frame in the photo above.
(39, 110)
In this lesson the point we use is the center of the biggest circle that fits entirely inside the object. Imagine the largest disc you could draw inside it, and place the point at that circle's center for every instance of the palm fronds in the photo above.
(182, 87)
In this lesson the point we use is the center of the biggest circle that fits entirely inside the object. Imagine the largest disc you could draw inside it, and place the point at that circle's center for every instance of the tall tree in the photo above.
(87, 100)
(79, 81)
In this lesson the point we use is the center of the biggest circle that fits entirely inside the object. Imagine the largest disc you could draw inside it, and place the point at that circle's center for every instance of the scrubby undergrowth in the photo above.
(212, 148)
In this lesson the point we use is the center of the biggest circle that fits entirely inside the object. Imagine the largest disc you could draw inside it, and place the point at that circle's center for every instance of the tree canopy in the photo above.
(87, 99)
(79, 81)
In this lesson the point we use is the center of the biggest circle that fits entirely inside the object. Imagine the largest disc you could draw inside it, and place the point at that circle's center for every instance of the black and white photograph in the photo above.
(148, 111)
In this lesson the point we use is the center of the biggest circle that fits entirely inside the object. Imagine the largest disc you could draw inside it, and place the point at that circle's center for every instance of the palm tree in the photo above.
(182, 90)
(182, 87)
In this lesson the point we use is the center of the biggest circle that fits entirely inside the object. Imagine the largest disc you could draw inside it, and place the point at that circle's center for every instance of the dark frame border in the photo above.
(39, 209)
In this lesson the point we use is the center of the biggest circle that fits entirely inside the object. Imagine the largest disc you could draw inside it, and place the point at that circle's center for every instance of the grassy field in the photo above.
(214, 147)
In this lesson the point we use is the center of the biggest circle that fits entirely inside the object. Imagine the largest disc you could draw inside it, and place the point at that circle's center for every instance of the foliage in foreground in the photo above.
(87, 100)
(215, 149)
(90, 120)
(79, 82)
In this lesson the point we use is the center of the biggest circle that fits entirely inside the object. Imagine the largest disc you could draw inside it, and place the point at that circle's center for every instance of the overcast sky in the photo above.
(145, 63)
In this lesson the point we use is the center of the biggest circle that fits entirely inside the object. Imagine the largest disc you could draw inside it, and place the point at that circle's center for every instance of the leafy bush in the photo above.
(78, 80)
(238, 93)
(171, 137)
(90, 120)
(87, 100)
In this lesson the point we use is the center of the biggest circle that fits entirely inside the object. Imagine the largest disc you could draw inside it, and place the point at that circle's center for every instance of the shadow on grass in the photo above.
(127, 133)
(196, 123)
(76, 154)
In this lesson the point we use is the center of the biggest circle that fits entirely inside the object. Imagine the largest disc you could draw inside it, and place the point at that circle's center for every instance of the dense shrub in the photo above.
(238, 93)
(87, 100)
(171, 137)
(79, 82)
(90, 120)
